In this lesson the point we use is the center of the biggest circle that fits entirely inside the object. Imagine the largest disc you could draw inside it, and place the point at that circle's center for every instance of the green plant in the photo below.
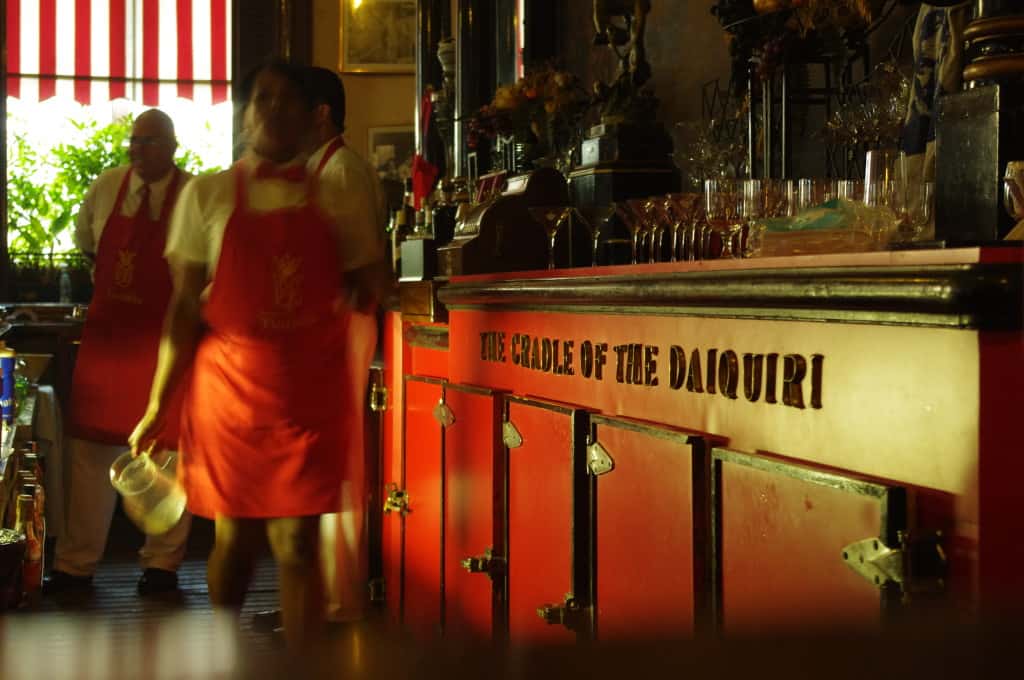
(44, 191)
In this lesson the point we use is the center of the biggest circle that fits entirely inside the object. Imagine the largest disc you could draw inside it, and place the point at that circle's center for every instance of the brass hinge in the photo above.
(378, 398)
(569, 614)
(397, 500)
(487, 563)
(599, 461)
(510, 435)
(378, 592)
(917, 565)
(443, 414)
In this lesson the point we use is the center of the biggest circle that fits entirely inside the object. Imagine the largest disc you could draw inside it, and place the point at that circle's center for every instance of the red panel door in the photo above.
(375, 416)
(391, 476)
(540, 518)
(472, 454)
(645, 530)
(781, 533)
(421, 559)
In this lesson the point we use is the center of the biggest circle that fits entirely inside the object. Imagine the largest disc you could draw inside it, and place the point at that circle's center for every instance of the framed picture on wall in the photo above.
(390, 150)
(378, 36)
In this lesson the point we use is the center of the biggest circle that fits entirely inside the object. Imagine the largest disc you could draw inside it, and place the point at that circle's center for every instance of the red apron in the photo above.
(121, 336)
(332, 148)
(265, 417)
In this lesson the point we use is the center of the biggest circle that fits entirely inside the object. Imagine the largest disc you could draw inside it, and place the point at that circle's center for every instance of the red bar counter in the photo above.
(729, 447)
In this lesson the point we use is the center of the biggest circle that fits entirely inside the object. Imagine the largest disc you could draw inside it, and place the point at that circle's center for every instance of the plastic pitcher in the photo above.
(153, 498)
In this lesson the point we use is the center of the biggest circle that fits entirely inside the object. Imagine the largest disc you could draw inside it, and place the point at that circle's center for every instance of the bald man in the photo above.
(122, 226)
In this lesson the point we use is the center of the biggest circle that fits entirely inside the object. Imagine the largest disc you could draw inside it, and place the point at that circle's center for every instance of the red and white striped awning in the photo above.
(100, 50)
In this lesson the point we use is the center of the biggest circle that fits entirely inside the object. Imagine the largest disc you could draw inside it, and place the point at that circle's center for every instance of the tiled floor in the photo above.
(113, 632)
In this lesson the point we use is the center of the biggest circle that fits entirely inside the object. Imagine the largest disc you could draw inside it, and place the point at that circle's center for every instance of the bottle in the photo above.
(420, 228)
(30, 455)
(65, 287)
(9, 500)
(7, 360)
(32, 487)
(27, 478)
(408, 204)
(443, 219)
(428, 221)
(398, 234)
(32, 565)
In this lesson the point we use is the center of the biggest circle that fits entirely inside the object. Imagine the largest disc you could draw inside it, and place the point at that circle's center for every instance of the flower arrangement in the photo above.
(543, 109)
(768, 28)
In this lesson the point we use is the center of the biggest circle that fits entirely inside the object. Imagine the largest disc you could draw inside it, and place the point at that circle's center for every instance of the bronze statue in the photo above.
(622, 100)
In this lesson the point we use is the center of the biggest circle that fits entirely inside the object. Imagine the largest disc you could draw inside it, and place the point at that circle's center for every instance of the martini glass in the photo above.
(645, 210)
(634, 224)
(598, 216)
(551, 217)
(685, 207)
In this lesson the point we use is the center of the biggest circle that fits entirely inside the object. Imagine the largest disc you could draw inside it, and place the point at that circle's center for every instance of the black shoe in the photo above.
(155, 581)
(61, 582)
(266, 621)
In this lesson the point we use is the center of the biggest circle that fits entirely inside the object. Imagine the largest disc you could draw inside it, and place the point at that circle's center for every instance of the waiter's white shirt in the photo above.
(99, 203)
(352, 191)
(202, 212)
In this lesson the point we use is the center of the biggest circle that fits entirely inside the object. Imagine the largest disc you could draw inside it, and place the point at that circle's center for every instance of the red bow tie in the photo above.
(296, 172)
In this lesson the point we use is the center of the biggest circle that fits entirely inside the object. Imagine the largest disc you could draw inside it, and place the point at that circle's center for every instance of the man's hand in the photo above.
(145, 433)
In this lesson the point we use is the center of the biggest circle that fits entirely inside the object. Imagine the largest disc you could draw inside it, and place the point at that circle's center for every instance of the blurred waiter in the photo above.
(353, 195)
(122, 224)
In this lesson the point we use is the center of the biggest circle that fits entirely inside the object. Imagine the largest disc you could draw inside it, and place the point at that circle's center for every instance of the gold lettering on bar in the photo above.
(725, 372)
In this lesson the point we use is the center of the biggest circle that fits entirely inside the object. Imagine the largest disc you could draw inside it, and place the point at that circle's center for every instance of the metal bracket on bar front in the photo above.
(917, 566)
(599, 461)
(443, 414)
(510, 435)
(569, 614)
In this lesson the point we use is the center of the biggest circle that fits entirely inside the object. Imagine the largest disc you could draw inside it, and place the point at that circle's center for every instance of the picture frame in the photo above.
(390, 150)
(377, 36)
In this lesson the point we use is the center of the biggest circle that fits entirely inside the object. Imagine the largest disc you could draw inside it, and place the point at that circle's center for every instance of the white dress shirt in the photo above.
(99, 203)
(201, 215)
(352, 192)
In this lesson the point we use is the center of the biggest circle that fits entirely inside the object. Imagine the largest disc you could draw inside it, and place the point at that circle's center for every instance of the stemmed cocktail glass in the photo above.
(552, 218)
(686, 208)
(646, 210)
(598, 216)
(633, 223)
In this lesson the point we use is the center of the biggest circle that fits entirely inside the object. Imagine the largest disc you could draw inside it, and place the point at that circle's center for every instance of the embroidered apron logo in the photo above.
(124, 271)
(287, 282)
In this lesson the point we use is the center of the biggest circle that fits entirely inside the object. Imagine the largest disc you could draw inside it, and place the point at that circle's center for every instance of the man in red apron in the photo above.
(265, 418)
(351, 194)
(123, 225)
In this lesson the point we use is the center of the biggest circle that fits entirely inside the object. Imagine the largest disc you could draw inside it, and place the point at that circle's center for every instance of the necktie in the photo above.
(142, 214)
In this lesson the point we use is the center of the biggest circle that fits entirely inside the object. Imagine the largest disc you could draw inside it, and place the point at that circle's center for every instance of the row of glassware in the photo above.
(732, 218)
